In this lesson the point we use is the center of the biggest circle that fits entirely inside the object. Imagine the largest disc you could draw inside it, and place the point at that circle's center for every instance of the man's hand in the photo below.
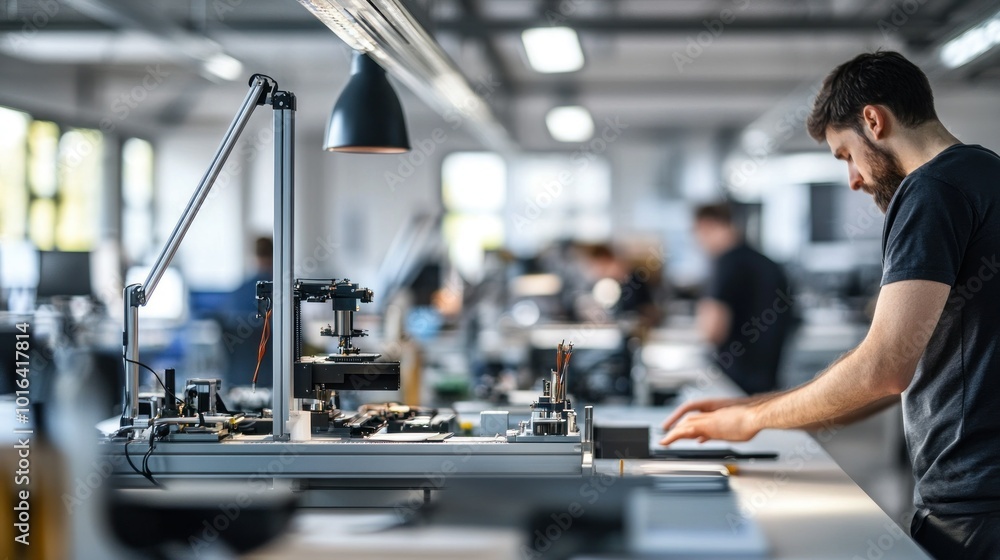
(735, 422)
(704, 405)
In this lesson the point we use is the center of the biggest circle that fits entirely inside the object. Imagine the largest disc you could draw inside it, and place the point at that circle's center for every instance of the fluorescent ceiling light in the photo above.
(972, 44)
(223, 66)
(553, 49)
(87, 47)
(570, 124)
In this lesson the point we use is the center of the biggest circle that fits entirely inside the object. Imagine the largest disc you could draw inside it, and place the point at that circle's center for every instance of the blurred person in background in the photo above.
(746, 310)
(635, 296)
(242, 328)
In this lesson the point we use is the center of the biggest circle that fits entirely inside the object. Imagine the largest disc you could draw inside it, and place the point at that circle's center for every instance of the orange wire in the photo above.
(262, 348)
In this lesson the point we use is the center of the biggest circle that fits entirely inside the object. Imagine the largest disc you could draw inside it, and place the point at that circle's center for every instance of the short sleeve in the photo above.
(926, 233)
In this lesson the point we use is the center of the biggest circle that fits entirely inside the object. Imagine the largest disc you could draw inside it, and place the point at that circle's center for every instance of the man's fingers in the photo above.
(690, 406)
(670, 438)
(682, 431)
(673, 418)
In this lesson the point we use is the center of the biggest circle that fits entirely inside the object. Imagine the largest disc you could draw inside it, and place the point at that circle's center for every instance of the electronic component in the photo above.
(348, 369)
(442, 422)
(552, 415)
(150, 405)
(200, 396)
(393, 417)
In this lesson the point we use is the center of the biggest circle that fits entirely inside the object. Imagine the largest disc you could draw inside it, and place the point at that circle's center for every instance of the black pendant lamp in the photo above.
(367, 118)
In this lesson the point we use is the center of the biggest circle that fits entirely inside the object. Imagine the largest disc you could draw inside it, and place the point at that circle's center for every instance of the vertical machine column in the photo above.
(284, 251)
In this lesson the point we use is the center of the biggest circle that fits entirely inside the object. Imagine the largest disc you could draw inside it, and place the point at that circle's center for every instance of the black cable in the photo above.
(145, 471)
(157, 378)
(145, 459)
(149, 476)
(129, 459)
(145, 467)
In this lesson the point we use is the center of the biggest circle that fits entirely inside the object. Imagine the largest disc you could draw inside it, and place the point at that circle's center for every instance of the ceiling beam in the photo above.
(503, 75)
(478, 28)
(193, 48)
(639, 25)
(474, 17)
(668, 85)
(19, 26)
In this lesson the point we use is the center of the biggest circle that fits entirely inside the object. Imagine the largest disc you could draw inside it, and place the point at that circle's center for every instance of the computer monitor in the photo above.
(63, 273)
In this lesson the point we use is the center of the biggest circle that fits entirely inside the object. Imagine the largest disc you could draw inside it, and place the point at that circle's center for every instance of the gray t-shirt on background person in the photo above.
(943, 224)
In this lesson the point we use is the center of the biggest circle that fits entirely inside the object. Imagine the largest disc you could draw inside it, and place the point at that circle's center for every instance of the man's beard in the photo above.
(886, 173)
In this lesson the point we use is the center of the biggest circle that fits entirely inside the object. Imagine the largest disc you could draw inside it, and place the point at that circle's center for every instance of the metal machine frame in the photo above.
(524, 453)
(263, 90)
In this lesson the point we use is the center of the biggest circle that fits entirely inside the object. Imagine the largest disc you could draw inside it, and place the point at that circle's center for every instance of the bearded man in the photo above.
(932, 342)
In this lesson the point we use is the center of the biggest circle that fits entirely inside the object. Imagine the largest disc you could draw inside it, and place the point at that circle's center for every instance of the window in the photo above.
(13, 192)
(542, 199)
(65, 176)
(80, 181)
(43, 146)
(137, 199)
(557, 197)
(474, 192)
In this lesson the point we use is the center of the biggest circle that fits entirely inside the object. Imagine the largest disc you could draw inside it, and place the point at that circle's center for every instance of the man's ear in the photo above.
(876, 121)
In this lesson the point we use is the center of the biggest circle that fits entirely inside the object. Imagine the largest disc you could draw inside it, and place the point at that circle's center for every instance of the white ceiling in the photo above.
(98, 50)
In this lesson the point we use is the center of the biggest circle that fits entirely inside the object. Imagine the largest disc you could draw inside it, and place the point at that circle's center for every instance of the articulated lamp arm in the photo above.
(137, 295)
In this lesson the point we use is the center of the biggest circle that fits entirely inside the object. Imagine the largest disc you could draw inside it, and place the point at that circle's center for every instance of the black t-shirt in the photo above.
(943, 224)
(756, 291)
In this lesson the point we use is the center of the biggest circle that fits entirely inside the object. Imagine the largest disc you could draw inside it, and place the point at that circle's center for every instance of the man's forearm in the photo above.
(849, 385)
(858, 415)
(762, 397)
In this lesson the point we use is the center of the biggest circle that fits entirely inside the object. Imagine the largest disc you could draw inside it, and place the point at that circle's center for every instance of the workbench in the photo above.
(803, 503)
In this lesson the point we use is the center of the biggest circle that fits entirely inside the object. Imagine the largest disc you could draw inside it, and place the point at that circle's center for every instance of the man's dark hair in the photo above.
(720, 212)
(879, 78)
